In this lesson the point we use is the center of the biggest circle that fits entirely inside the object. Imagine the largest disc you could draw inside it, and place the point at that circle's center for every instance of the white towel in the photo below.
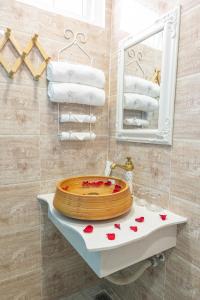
(77, 118)
(2, 32)
(141, 86)
(76, 136)
(136, 122)
(75, 93)
(59, 71)
(140, 102)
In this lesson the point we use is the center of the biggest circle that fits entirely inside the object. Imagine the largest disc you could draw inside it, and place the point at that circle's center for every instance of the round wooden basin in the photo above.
(92, 197)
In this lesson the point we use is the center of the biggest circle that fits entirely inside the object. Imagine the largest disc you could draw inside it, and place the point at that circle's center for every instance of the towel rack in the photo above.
(136, 57)
(78, 39)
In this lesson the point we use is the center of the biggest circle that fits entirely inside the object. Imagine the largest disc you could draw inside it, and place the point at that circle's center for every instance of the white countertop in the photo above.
(97, 240)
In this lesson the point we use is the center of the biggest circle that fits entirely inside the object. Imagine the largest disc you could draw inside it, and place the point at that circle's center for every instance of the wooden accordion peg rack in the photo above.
(23, 55)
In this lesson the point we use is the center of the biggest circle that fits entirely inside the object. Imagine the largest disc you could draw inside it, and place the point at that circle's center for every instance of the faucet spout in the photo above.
(128, 166)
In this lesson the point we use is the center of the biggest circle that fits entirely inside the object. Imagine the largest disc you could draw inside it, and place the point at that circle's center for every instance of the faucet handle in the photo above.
(129, 163)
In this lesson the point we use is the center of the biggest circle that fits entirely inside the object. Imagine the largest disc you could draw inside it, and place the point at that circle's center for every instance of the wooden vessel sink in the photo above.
(92, 197)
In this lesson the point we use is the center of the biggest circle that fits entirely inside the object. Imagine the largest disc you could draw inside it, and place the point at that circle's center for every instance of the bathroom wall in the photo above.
(168, 176)
(35, 261)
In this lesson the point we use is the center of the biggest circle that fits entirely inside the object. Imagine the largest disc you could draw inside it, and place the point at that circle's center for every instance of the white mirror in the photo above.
(146, 83)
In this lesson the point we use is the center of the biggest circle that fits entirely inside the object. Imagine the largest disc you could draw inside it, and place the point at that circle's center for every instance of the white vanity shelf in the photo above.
(105, 256)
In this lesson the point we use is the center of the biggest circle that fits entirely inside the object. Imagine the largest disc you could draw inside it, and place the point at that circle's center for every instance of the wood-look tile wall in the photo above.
(35, 261)
(169, 176)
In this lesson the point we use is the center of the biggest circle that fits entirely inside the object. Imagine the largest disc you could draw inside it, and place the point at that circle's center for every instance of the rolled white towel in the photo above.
(77, 118)
(59, 71)
(141, 86)
(75, 93)
(77, 136)
(136, 122)
(140, 102)
(2, 32)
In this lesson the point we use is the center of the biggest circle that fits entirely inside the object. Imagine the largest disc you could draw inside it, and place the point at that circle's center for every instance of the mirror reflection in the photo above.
(142, 78)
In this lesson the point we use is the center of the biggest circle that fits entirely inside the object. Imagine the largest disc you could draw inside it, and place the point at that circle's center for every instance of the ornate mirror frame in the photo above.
(169, 24)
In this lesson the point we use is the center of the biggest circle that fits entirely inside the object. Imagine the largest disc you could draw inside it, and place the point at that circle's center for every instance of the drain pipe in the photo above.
(119, 278)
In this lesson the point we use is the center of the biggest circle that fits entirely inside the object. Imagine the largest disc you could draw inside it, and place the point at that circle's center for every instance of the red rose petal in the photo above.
(140, 219)
(108, 183)
(163, 217)
(111, 236)
(117, 186)
(100, 182)
(65, 188)
(95, 183)
(88, 229)
(92, 183)
(117, 226)
(134, 228)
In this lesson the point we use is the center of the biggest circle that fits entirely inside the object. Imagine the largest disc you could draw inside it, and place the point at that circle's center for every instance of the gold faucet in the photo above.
(128, 166)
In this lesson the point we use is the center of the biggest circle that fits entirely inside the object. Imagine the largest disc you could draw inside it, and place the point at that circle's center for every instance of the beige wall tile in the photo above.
(19, 253)
(26, 286)
(53, 244)
(48, 186)
(112, 115)
(16, 15)
(113, 73)
(185, 171)
(187, 108)
(188, 241)
(19, 209)
(64, 276)
(188, 62)
(152, 195)
(19, 160)
(19, 112)
(182, 280)
(188, 4)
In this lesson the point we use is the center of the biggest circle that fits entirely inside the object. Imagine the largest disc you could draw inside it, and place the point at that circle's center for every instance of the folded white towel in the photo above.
(140, 102)
(136, 122)
(77, 118)
(75, 93)
(141, 86)
(76, 136)
(59, 71)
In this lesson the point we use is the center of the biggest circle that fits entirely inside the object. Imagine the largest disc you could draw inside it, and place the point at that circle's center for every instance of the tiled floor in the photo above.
(90, 293)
